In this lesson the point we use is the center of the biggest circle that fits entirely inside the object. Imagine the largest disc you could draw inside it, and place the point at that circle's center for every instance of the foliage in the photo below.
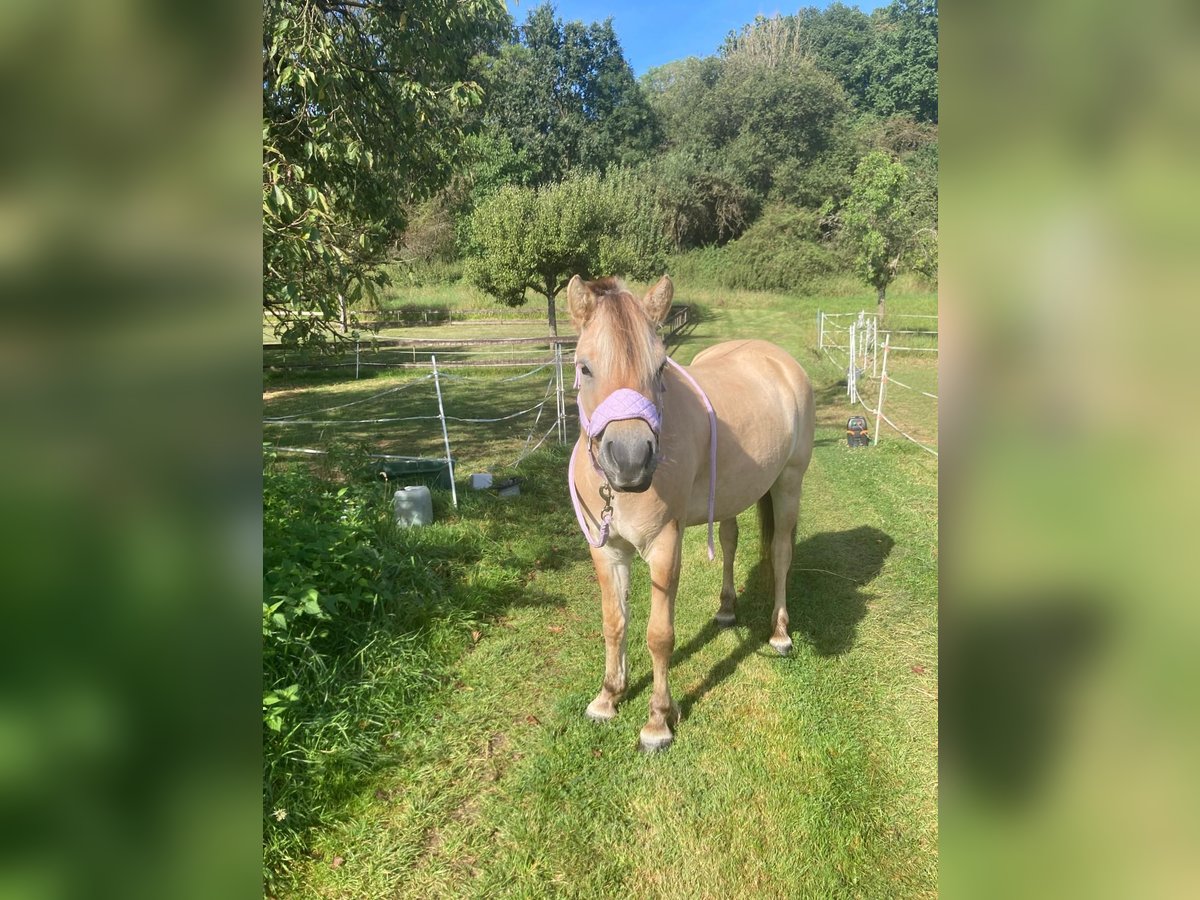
(781, 116)
(768, 116)
(840, 38)
(877, 219)
(358, 619)
(761, 123)
(787, 249)
(698, 203)
(495, 162)
(922, 204)
(886, 62)
(363, 108)
(678, 93)
(537, 238)
(704, 199)
(564, 97)
(903, 63)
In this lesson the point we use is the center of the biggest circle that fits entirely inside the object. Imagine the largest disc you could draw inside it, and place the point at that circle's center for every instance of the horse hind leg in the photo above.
(726, 615)
(781, 510)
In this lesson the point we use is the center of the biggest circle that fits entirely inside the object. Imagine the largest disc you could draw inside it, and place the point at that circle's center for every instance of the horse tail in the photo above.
(766, 525)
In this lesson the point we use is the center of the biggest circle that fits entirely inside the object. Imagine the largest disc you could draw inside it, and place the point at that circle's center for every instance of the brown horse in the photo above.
(645, 470)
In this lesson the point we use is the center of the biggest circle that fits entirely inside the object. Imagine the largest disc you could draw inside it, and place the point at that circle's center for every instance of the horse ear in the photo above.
(580, 301)
(657, 302)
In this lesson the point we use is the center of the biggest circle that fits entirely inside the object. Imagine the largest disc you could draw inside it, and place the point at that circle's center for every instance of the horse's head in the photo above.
(619, 362)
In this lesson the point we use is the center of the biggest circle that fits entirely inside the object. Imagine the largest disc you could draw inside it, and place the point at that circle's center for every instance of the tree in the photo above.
(902, 65)
(565, 97)
(877, 220)
(839, 38)
(759, 123)
(922, 202)
(363, 105)
(774, 113)
(523, 238)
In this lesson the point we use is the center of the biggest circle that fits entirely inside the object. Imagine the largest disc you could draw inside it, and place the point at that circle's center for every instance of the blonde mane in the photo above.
(622, 335)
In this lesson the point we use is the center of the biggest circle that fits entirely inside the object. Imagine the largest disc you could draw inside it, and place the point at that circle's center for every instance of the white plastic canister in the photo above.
(414, 506)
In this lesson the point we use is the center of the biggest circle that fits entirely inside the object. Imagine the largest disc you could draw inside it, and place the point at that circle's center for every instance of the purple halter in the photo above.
(620, 405)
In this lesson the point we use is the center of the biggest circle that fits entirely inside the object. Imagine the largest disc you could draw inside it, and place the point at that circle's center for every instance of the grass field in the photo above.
(808, 776)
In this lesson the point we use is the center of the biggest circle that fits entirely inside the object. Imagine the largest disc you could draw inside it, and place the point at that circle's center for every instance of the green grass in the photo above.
(810, 776)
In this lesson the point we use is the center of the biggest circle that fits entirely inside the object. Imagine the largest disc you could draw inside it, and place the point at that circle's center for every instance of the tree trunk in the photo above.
(550, 315)
(880, 307)
(345, 318)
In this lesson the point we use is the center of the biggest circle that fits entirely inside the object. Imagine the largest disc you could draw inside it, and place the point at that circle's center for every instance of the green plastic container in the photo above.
(433, 472)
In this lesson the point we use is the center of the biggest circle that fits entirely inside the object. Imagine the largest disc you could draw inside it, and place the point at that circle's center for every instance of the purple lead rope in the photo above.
(605, 517)
(628, 404)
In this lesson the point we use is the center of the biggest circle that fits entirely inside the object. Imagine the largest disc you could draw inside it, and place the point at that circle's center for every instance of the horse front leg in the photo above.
(612, 571)
(663, 556)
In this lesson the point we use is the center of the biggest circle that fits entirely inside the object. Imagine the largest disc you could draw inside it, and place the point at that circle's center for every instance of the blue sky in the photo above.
(653, 32)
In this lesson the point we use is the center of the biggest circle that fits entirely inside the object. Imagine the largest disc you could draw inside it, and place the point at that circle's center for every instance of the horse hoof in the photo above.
(725, 620)
(599, 712)
(654, 742)
(782, 644)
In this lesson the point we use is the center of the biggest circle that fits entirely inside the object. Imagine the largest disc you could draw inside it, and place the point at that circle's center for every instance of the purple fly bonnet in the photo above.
(623, 403)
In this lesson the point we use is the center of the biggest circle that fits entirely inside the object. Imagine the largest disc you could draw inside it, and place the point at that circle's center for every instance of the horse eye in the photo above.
(586, 371)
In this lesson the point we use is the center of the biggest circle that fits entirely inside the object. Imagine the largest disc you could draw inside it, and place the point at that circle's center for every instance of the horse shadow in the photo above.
(827, 598)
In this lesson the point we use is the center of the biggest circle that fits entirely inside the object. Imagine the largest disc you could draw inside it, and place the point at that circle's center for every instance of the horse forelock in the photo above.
(622, 338)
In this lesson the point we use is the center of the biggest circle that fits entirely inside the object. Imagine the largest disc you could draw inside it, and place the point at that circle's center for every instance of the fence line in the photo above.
(395, 390)
(515, 415)
(483, 352)
(311, 452)
(879, 415)
(907, 436)
(891, 315)
(891, 379)
(527, 449)
(861, 354)
(492, 380)
(329, 423)
(884, 381)
(554, 384)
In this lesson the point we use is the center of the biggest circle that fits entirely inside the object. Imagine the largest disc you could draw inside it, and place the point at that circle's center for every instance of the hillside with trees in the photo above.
(802, 152)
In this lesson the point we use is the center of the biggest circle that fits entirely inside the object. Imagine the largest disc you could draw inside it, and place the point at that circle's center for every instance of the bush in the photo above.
(359, 621)
(785, 250)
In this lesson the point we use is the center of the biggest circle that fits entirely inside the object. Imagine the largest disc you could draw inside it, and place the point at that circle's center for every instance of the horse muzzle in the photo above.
(628, 456)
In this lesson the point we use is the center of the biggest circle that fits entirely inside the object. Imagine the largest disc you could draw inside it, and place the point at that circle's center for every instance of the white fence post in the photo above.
(882, 390)
(445, 434)
(874, 346)
(356, 360)
(850, 386)
(560, 394)
(863, 341)
(820, 330)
